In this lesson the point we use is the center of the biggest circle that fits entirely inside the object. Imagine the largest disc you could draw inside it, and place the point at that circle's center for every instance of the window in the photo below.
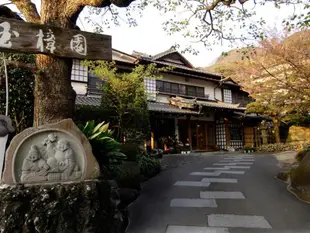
(79, 72)
(191, 91)
(200, 91)
(179, 89)
(174, 88)
(160, 86)
(150, 88)
(95, 85)
(227, 96)
(167, 87)
(182, 89)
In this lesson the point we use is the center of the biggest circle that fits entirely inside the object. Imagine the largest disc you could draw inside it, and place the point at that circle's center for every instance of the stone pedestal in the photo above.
(88, 206)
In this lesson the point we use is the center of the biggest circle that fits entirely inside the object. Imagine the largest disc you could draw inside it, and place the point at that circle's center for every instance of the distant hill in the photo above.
(227, 57)
(238, 54)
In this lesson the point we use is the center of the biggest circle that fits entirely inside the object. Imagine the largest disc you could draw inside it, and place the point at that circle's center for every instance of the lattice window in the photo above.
(235, 131)
(220, 134)
(227, 96)
(79, 72)
(236, 144)
(150, 88)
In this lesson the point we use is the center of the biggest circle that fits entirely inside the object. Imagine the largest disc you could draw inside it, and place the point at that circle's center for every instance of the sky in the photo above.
(149, 37)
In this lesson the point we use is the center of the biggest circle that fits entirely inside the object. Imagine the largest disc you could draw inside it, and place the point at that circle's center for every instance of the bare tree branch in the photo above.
(8, 13)
(74, 7)
(28, 9)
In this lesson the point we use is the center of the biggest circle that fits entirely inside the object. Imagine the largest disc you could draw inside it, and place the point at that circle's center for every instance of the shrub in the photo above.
(132, 151)
(105, 148)
(149, 167)
(124, 176)
(278, 147)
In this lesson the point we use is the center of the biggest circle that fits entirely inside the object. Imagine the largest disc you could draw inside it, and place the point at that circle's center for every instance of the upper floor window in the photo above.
(95, 85)
(179, 89)
(150, 88)
(227, 96)
(79, 72)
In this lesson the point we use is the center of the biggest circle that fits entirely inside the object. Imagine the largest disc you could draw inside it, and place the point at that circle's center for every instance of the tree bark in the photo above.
(54, 95)
(276, 128)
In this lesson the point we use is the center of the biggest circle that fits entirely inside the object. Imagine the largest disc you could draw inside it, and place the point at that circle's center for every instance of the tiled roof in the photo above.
(220, 104)
(163, 107)
(162, 54)
(88, 100)
(170, 51)
(181, 67)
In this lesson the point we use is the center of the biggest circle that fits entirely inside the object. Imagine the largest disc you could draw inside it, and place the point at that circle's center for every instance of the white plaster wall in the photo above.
(218, 94)
(162, 98)
(79, 88)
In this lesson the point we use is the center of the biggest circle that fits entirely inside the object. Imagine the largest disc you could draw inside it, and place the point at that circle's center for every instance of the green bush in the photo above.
(149, 167)
(278, 147)
(124, 176)
(132, 151)
(105, 148)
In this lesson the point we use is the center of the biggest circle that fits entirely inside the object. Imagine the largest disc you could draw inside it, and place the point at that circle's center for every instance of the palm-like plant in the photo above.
(105, 148)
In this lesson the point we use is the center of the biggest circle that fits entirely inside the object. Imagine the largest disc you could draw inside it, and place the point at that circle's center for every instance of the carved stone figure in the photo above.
(5, 126)
(34, 168)
(56, 162)
(52, 153)
(49, 144)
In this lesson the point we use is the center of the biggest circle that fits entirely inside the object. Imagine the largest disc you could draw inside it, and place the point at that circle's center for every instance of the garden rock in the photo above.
(89, 206)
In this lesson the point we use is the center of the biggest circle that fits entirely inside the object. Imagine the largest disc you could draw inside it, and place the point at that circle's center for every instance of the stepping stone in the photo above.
(194, 229)
(240, 163)
(192, 202)
(192, 183)
(236, 157)
(219, 180)
(237, 160)
(204, 174)
(230, 172)
(230, 220)
(216, 168)
(243, 167)
(221, 195)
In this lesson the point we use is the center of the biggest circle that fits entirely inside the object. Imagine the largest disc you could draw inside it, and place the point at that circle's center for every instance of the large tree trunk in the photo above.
(276, 128)
(54, 96)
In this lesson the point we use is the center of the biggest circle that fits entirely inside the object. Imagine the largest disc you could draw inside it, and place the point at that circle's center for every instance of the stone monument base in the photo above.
(89, 206)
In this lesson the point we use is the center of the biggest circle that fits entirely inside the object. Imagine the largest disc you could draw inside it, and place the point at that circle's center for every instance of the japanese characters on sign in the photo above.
(20, 36)
(6, 34)
(45, 41)
(79, 44)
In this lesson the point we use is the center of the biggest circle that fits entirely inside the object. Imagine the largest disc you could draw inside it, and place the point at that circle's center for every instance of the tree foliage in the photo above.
(124, 94)
(276, 74)
(20, 91)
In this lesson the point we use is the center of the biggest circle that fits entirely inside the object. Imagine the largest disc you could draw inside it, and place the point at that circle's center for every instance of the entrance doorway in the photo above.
(200, 134)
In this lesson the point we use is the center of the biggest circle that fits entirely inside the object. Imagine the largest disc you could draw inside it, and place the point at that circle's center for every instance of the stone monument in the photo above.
(51, 153)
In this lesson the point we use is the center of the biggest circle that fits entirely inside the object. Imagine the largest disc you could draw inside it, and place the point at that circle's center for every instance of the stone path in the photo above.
(218, 223)
(201, 197)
